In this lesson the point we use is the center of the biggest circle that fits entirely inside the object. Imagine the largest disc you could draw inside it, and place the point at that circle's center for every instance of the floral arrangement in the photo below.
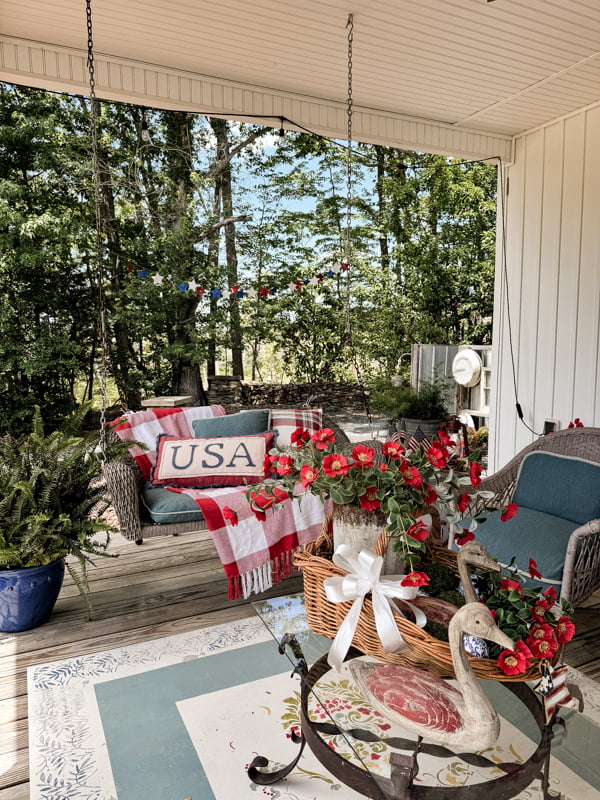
(400, 483)
(531, 617)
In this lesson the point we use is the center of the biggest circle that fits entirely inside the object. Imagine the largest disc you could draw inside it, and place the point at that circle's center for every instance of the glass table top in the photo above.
(574, 771)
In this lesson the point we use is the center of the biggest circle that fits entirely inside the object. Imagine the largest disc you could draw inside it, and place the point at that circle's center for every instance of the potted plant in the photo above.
(425, 408)
(49, 486)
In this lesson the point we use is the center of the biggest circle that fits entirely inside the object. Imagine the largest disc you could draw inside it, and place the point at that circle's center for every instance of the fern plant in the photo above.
(51, 499)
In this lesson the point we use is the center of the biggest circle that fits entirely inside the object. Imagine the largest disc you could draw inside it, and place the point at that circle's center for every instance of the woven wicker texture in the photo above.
(425, 651)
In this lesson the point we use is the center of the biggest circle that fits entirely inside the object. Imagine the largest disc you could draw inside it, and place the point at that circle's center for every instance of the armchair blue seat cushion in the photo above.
(531, 534)
(163, 506)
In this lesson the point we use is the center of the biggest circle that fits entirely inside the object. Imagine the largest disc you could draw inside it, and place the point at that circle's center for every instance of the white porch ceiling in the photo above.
(450, 76)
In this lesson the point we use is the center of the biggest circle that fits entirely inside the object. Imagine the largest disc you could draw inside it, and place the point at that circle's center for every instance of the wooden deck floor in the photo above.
(166, 586)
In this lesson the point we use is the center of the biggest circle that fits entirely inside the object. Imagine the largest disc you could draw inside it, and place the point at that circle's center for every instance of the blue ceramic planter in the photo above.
(28, 595)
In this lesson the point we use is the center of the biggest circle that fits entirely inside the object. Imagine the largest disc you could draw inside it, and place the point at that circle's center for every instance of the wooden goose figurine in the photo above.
(475, 554)
(460, 717)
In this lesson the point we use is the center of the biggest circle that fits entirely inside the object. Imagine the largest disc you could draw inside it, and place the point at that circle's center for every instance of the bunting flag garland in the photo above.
(238, 292)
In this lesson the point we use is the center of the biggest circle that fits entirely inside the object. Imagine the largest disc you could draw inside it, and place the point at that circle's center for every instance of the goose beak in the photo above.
(496, 635)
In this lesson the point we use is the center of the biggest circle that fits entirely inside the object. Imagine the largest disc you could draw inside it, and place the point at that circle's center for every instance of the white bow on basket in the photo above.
(363, 576)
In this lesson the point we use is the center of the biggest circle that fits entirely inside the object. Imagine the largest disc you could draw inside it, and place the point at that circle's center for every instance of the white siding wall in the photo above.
(552, 284)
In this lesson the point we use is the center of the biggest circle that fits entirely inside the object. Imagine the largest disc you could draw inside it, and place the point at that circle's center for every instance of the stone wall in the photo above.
(233, 393)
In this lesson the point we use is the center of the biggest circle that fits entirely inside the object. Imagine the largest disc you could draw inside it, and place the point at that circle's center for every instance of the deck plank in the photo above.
(166, 586)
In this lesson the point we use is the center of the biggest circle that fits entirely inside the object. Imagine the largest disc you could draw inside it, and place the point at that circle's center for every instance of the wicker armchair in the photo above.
(125, 482)
(581, 572)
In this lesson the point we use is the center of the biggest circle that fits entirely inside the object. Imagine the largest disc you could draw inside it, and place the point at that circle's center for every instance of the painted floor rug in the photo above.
(182, 717)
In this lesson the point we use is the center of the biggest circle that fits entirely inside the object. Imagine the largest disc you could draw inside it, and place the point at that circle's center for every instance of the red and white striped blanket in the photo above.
(256, 554)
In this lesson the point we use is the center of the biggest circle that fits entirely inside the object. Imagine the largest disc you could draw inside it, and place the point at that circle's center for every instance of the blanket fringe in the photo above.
(262, 578)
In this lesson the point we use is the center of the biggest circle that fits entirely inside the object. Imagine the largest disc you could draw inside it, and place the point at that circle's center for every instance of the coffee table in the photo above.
(382, 761)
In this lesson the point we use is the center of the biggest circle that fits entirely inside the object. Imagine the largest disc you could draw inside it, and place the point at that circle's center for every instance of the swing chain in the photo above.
(98, 211)
(349, 111)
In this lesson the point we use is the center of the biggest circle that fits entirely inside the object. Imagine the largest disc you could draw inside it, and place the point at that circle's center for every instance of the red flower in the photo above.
(577, 423)
(308, 475)
(538, 612)
(533, 569)
(369, 500)
(384, 467)
(267, 463)
(565, 630)
(392, 449)
(540, 632)
(411, 475)
(418, 531)
(543, 648)
(430, 496)
(437, 456)
(464, 537)
(511, 662)
(260, 502)
(509, 512)
(444, 439)
(363, 456)
(335, 464)
(230, 515)
(463, 502)
(550, 595)
(510, 585)
(322, 438)
(285, 465)
(475, 473)
(522, 648)
(415, 579)
(279, 494)
(300, 437)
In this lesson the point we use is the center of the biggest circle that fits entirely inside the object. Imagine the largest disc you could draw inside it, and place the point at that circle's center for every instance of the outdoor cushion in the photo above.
(216, 461)
(559, 485)
(248, 422)
(285, 421)
(530, 534)
(162, 505)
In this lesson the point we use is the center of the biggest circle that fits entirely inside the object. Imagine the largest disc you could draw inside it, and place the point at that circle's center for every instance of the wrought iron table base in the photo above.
(404, 768)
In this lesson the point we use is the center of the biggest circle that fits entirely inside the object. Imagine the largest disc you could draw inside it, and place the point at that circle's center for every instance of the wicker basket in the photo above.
(424, 651)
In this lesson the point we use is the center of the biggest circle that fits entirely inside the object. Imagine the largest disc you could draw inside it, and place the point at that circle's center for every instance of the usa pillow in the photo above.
(214, 461)
(285, 421)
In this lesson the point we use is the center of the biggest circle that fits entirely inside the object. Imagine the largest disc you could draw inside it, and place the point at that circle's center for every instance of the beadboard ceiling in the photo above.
(466, 71)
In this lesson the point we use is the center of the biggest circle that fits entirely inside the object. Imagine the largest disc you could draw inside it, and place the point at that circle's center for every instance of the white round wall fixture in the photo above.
(466, 367)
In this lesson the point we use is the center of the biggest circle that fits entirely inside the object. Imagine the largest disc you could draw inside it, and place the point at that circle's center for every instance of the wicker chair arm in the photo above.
(122, 481)
(581, 572)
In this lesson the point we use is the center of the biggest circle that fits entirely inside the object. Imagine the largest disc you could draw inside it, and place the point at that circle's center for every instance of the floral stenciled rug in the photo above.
(182, 717)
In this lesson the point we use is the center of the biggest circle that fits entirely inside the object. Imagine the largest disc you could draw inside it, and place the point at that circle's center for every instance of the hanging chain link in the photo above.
(99, 252)
(349, 189)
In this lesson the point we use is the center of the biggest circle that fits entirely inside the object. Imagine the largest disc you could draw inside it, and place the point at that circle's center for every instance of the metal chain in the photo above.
(99, 253)
(349, 187)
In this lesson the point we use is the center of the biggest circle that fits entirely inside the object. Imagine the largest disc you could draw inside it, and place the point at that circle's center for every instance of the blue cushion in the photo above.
(531, 534)
(559, 485)
(241, 424)
(164, 506)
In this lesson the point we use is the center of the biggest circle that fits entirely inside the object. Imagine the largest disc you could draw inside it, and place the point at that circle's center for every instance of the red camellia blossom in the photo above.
(260, 502)
(538, 612)
(437, 457)
(285, 465)
(300, 437)
(415, 579)
(510, 585)
(540, 632)
(511, 662)
(577, 423)
(565, 630)
(543, 648)
(444, 439)
(230, 515)
(533, 569)
(279, 495)
(475, 473)
(509, 512)
(308, 475)
(335, 464)
(369, 500)
(430, 495)
(392, 449)
(550, 595)
(411, 475)
(322, 438)
(464, 537)
(522, 648)
(363, 456)
(463, 502)
(418, 531)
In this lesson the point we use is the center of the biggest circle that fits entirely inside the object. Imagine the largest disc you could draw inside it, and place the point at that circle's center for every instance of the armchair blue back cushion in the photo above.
(555, 494)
